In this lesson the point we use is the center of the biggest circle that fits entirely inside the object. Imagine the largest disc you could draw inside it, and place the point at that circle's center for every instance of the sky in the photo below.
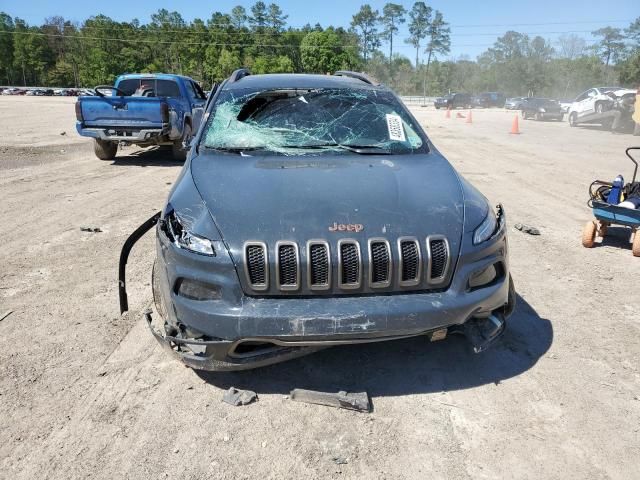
(474, 25)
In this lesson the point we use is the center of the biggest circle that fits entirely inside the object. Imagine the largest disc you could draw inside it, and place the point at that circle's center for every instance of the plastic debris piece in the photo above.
(236, 397)
(527, 229)
(350, 401)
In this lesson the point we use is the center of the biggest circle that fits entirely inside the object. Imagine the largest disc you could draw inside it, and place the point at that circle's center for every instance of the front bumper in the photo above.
(215, 334)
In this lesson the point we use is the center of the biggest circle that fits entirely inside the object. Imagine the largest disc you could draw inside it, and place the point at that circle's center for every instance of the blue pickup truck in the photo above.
(142, 109)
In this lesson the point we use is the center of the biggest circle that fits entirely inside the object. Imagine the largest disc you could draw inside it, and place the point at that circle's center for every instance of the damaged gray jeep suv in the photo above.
(314, 211)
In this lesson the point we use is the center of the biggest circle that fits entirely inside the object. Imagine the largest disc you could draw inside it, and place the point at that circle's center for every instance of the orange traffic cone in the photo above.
(448, 114)
(469, 118)
(514, 126)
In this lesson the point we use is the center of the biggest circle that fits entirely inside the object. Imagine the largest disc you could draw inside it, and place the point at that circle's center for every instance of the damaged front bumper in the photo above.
(236, 332)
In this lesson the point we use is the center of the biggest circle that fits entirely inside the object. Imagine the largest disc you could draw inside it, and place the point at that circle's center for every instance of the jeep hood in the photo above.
(297, 198)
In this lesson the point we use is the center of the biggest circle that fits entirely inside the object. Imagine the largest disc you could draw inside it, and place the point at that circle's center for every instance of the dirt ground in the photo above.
(85, 393)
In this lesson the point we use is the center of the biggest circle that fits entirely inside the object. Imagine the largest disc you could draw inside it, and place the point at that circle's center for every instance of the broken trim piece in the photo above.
(137, 234)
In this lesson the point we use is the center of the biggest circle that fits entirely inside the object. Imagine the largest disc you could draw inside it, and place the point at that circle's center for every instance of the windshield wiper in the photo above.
(360, 149)
(234, 149)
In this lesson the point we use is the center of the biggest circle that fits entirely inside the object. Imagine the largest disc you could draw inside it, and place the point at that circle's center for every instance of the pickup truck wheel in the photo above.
(105, 150)
(179, 153)
(599, 107)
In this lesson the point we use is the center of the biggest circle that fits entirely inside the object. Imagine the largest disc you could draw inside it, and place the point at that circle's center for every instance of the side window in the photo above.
(591, 93)
(581, 97)
(167, 88)
(195, 91)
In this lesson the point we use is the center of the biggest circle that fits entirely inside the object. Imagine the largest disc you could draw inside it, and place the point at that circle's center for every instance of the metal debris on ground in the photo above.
(236, 397)
(527, 229)
(351, 401)
(5, 314)
(90, 229)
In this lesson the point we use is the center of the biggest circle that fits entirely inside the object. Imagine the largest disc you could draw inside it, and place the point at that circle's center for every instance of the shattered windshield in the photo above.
(311, 121)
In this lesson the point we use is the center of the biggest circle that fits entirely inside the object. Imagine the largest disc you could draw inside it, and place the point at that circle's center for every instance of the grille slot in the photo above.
(410, 261)
(380, 263)
(288, 273)
(438, 258)
(350, 264)
(319, 268)
(256, 265)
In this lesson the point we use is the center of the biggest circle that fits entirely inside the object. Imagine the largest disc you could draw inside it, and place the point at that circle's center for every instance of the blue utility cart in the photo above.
(606, 214)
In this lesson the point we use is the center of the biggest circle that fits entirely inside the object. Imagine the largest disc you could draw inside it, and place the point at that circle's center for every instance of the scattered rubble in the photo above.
(236, 397)
(527, 229)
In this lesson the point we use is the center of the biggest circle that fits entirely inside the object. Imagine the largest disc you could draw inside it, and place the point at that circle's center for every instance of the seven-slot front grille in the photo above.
(378, 264)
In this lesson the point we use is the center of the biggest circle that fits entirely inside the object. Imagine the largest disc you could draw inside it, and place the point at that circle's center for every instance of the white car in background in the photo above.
(595, 100)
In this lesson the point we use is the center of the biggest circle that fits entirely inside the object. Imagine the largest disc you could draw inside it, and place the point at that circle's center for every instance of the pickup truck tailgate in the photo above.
(132, 112)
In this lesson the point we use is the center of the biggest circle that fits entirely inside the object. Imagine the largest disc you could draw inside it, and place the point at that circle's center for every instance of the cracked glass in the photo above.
(311, 122)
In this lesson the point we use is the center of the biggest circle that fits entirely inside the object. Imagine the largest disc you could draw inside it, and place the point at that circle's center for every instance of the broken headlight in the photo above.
(177, 229)
(487, 228)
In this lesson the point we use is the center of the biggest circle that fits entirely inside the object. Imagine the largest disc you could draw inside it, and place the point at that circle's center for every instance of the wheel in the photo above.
(573, 119)
(180, 153)
(589, 234)
(599, 107)
(539, 117)
(105, 150)
(635, 247)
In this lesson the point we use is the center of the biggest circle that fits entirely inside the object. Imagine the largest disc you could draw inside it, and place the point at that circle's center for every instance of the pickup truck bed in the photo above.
(141, 109)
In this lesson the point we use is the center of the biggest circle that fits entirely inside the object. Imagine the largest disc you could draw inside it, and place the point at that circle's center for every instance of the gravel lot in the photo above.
(85, 393)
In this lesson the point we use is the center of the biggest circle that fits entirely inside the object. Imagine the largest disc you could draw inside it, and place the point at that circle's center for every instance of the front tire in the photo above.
(105, 150)
(573, 120)
(180, 153)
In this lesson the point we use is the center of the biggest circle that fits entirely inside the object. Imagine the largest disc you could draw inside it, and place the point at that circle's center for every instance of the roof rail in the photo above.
(363, 77)
(239, 74)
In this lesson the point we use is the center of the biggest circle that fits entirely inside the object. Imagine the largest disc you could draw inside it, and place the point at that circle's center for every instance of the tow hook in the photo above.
(482, 332)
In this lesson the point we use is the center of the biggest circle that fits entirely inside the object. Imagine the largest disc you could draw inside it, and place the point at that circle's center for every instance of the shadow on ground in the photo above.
(404, 367)
(148, 157)
(617, 237)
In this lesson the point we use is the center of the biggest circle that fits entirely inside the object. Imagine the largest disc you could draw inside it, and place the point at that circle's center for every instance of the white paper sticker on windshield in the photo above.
(396, 130)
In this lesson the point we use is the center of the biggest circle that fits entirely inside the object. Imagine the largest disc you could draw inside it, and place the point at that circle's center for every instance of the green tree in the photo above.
(239, 17)
(6, 48)
(259, 15)
(322, 52)
(392, 15)
(366, 21)
(275, 18)
(419, 21)
(438, 39)
(611, 46)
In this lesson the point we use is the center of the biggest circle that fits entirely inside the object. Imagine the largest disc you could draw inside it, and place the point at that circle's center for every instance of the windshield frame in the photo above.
(223, 95)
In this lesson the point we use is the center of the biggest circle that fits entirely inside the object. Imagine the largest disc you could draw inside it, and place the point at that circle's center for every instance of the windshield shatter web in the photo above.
(311, 121)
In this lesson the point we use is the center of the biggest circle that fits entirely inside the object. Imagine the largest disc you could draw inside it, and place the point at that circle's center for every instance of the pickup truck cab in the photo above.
(142, 109)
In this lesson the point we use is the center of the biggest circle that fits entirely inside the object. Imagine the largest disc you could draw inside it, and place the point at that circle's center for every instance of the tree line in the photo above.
(63, 53)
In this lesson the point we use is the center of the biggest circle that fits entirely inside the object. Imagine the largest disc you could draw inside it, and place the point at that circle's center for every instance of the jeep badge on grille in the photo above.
(349, 227)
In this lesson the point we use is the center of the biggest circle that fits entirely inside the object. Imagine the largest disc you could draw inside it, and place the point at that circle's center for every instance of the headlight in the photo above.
(541, 110)
(178, 232)
(486, 229)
